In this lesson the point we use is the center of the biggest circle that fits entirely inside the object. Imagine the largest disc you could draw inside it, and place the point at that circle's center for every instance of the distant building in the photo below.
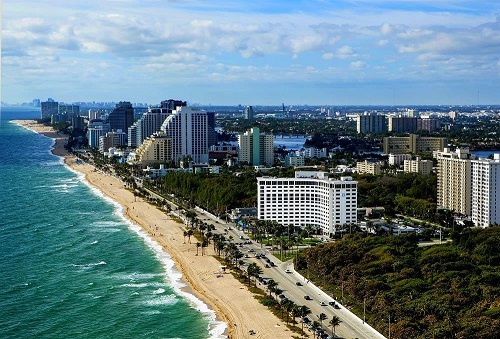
(454, 180)
(189, 130)
(69, 110)
(249, 113)
(95, 130)
(308, 199)
(369, 167)
(371, 123)
(155, 149)
(418, 165)
(428, 124)
(312, 152)
(485, 186)
(292, 160)
(36, 103)
(122, 116)
(398, 159)
(413, 144)
(78, 122)
(256, 148)
(49, 108)
(112, 139)
(400, 124)
(149, 123)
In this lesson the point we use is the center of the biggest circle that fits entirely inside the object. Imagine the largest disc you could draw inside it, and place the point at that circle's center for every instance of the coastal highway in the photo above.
(351, 325)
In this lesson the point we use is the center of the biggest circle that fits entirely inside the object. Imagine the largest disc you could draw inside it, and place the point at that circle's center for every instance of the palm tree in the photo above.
(190, 232)
(304, 310)
(334, 322)
(314, 327)
(198, 245)
(322, 317)
(185, 235)
(271, 285)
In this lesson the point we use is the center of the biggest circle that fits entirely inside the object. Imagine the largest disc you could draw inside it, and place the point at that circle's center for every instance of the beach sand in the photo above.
(230, 299)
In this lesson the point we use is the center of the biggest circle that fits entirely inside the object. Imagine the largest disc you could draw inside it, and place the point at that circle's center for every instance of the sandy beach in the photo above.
(230, 300)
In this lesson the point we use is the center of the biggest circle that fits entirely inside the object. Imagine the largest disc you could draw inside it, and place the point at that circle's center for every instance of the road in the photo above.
(351, 326)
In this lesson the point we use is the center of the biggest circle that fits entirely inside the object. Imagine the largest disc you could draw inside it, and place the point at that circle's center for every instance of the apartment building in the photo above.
(369, 167)
(454, 180)
(486, 191)
(413, 144)
(155, 149)
(256, 148)
(310, 198)
(418, 165)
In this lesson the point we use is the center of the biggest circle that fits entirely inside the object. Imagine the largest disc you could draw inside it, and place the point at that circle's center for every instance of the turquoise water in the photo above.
(71, 265)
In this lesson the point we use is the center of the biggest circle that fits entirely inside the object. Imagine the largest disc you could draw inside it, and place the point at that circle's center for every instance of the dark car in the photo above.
(307, 297)
(298, 283)
(331, 303)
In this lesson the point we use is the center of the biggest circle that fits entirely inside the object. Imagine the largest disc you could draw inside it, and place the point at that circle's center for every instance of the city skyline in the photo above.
(259, 53)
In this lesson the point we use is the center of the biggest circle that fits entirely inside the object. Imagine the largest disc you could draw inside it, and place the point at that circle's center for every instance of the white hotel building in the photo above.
(308, 199)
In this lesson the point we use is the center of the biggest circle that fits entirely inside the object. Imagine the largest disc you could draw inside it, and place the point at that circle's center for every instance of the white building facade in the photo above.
(188, 129)
(485, 186)
(308, 199)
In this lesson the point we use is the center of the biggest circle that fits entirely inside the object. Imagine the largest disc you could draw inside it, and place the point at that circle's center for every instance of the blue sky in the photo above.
(257, 52)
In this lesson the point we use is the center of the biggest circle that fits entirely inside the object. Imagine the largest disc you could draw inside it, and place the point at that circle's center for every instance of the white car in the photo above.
(288, 271)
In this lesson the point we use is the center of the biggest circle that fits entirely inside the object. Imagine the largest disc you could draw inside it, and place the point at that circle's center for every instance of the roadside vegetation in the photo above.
(445, 291)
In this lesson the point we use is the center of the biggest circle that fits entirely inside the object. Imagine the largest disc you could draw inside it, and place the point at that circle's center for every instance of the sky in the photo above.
(259, 52)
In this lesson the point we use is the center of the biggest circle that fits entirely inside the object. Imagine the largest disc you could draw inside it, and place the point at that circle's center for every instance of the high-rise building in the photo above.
(256, 148)
(122, 116)
(69, 110)
(149, 123)
(428, 124)
(249, 114)
(49, 108)
(95, 130)
(485, 189)
(155, 149)
(413, 144)
(454, 180)
(402, 124)
(36, 103)
(308, 199)
(371, 123)
(188, 128)
(112, 139)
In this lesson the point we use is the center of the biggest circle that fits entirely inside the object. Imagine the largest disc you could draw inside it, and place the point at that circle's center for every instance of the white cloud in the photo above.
(358, 64)
(327, 56)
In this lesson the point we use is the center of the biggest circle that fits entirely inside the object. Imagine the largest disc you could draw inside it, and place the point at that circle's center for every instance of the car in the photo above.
(246, 256)
(307, 297)
(288, 271)
(322, 303)
(298, 283)
(251, 250)
(331, 303)
(337, 306)
(268, 266)
(281, 296)
(273, 264)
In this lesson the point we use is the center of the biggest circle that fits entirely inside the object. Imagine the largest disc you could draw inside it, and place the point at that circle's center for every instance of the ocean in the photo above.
(71, 264)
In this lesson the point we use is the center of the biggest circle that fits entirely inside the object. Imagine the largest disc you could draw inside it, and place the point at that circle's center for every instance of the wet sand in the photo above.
(230, 299)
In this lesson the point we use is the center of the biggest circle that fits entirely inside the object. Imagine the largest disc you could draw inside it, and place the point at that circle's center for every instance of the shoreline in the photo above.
(231, 302)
